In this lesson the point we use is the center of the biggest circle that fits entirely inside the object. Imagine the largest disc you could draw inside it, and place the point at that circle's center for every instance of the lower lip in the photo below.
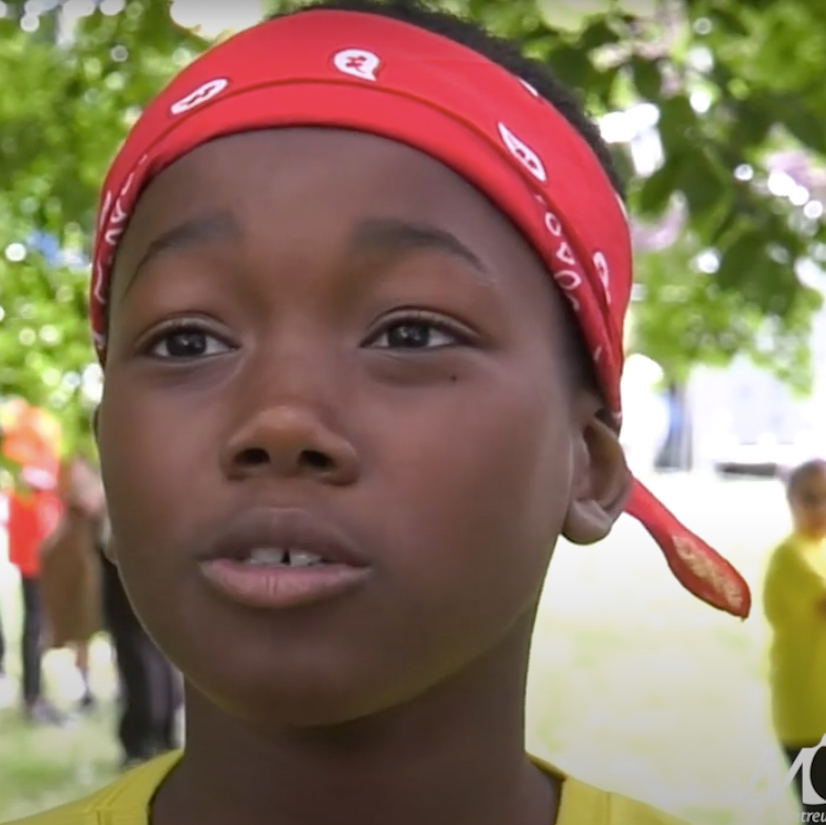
(281, 588)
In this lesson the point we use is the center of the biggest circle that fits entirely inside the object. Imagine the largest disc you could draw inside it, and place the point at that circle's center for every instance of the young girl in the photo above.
(359, 291)
(795, 605)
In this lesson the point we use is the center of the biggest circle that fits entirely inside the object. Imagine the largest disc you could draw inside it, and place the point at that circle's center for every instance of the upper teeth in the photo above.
(286, 558)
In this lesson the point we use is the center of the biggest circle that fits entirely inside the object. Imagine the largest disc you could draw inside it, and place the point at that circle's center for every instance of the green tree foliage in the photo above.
(61, 121)
(733, 83)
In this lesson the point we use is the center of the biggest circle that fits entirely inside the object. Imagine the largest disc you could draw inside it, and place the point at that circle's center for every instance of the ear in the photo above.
(601, 483)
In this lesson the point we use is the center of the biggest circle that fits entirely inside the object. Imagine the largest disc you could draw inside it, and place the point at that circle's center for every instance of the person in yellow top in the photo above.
(360, 280)
(794, 600)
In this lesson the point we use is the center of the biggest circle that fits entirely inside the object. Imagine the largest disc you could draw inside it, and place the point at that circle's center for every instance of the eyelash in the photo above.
(461, 334)
(175, 327)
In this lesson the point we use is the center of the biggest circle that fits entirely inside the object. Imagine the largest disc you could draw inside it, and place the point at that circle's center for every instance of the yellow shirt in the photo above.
(794, 592)
(126, 802)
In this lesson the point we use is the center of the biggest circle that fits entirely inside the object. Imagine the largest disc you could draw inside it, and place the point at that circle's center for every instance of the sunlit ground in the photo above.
(635, 687)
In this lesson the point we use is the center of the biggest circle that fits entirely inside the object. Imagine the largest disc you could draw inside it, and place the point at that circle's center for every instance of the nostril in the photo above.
(252, 457)
(316, 460)
(313, 460)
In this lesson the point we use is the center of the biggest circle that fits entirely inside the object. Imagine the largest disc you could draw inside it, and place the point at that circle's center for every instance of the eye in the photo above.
(186, 342)
(415, 333)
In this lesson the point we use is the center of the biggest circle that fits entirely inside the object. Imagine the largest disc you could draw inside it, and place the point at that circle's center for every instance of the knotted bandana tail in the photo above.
(697, 566)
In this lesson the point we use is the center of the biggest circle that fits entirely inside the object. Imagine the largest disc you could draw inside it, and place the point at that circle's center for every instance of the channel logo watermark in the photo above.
(802, 772)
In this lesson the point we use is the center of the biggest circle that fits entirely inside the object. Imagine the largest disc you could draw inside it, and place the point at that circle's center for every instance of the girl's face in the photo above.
(808, 504)
(335, 324)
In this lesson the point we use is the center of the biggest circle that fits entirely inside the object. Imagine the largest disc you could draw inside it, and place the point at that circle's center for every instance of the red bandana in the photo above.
(372, 74)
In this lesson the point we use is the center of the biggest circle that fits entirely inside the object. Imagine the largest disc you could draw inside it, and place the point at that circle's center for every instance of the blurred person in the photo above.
(30, 439)
(2, 649)
(33, 514)
(4, 680)
(794, 600)
(71, 570)
(6, 689)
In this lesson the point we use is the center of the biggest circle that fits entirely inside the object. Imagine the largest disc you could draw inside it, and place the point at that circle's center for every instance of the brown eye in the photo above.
(414, 335)
(187, 343)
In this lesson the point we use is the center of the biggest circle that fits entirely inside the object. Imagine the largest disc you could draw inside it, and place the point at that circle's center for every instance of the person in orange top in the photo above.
(33, 513)
(5, 684)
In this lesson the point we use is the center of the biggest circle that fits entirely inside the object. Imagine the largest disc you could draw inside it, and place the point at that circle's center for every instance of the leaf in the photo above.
(702, 181)
(719, 231)
(731, 23)
(752, 120)
(807, 127)
(647, 77)
(572, 66)
(655, 193)
(677, 122)
(597, 34)
(741, 259)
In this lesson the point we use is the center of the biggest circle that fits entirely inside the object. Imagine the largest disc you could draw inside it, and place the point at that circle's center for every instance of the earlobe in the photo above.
(601, 484)
(110, 552)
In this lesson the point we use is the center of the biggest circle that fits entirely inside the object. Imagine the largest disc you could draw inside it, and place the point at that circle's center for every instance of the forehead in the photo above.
(306, 187)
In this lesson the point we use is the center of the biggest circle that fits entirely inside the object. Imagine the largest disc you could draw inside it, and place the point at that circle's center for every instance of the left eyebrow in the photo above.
(399, 237)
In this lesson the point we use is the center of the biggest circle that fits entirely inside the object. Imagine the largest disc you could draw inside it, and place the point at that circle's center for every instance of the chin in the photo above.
(305, 671)
(299, 705)
(293, 691)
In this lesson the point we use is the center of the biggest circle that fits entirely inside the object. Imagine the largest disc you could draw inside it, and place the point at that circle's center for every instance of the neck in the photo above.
(454, 755)
(811, 537)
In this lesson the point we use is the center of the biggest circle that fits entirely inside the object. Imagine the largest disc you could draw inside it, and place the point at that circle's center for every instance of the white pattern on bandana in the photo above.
(604, 272)
(206, 91)
(358, 63)
(523, 153)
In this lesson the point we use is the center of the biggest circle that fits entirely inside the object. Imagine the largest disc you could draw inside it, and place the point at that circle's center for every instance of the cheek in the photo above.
(479, 489)
(155, 501)
(818, 516)
(146, 462)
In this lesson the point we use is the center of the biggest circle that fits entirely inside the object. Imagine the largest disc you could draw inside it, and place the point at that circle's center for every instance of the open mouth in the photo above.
(261, 560)
(277, 557)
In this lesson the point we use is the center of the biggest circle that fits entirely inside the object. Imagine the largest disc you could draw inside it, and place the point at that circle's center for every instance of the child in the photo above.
(795, 605)
(346, 419)
(70, 570)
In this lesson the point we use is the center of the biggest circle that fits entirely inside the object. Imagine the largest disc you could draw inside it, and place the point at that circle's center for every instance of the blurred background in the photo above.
(716, 111)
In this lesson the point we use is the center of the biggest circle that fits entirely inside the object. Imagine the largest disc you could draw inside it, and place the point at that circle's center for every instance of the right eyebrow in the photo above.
(195, 231)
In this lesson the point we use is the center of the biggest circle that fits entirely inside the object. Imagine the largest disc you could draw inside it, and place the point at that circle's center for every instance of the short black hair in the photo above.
(504, 52)
(802, 473)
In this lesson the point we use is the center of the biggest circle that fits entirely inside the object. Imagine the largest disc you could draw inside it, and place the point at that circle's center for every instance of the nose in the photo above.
(290, 440)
